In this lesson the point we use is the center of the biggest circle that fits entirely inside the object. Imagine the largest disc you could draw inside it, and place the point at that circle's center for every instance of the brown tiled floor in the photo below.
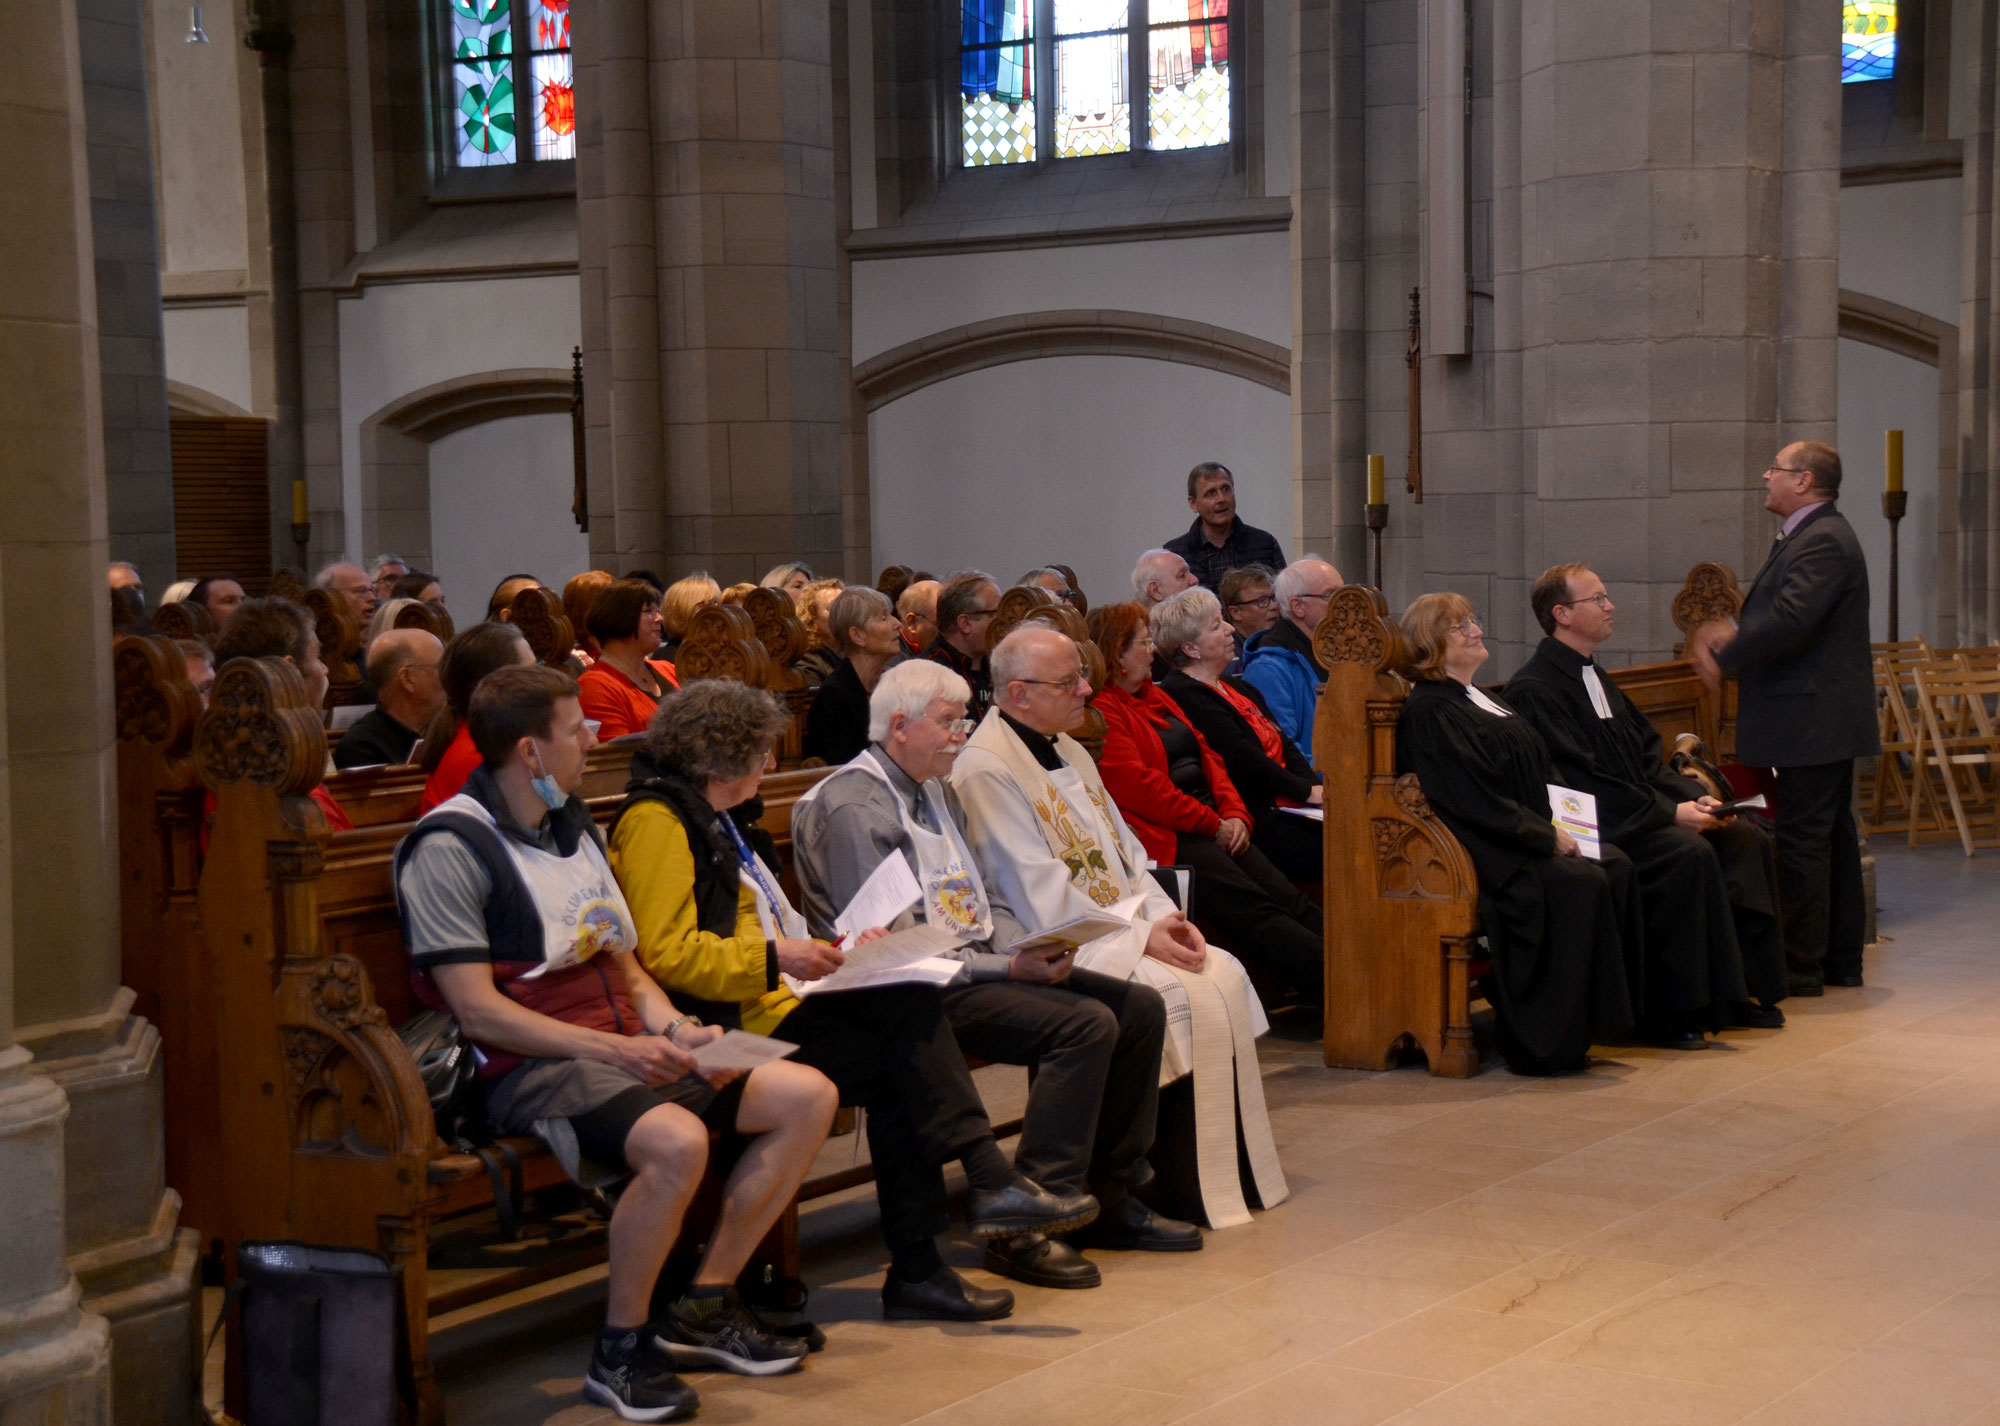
(1803, 1227)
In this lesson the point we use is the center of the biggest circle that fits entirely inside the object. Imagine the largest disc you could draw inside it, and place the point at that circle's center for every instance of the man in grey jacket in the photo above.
(1094, 1041)
(1806, 707)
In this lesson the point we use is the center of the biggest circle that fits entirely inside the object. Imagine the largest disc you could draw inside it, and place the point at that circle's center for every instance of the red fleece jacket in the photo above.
(1134, 768)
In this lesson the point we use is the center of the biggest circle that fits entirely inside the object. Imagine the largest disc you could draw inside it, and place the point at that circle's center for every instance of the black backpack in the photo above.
(450, 1071)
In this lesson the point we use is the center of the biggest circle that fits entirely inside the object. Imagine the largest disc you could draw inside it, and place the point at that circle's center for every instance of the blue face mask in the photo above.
(545, 788)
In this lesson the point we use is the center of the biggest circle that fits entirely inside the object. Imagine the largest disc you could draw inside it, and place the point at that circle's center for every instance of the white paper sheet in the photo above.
(347, 715)
(1311, 814)
(930, 970)
(891, 889)
(876, 962)
(1576, 813)
(739, 1049)
(1080, 931)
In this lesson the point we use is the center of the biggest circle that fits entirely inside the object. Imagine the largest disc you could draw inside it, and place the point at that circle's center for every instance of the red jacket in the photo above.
(1134, 769)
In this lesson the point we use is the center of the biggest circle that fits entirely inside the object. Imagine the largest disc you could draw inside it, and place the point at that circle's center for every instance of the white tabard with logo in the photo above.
(583, 911)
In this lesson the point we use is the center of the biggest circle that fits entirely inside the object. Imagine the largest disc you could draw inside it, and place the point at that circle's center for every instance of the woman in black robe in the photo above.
(1564, 931)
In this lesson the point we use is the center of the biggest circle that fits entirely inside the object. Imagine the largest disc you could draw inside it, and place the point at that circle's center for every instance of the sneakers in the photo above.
(731, 1338)
(633, 1377)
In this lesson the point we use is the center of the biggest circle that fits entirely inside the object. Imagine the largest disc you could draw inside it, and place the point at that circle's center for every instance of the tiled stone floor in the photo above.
(1803, 1227)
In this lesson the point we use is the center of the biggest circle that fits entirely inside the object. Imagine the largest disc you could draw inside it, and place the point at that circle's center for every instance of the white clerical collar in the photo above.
(1594, 686)
(1480, 700)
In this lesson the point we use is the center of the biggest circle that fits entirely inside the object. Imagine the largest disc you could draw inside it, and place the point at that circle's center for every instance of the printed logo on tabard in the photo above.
(954, 898)
(597, 919)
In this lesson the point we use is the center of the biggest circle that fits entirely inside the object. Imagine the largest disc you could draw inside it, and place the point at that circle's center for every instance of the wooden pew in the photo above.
(324, 1126)
(1402, 900)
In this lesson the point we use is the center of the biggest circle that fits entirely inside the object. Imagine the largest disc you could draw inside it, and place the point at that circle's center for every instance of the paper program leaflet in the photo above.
(917, 953)
(739, 1049)
(891, 889)
(1576, 813)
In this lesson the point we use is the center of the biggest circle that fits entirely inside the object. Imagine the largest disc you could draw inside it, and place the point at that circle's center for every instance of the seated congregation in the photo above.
(608, 824)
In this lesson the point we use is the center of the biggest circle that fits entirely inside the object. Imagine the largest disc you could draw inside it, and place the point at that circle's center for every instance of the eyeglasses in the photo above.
(1327, 595)
(592, 725)
(982, 613)
(961, 726)
(1262, 601)
(1068, 685)
(1466, 627)
(1785, 470)
(1600, 599)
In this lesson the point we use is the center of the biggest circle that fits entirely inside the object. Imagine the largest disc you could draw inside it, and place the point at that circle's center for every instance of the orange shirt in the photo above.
(450, 774)
(619, 704)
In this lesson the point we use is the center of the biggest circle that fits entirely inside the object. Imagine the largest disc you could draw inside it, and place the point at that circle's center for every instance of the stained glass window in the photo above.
(1174, 90)
(483, 81)
(1188, 83)
(1867, 40)
(1093, 107)
(555, 91)
(996, 81)
(512, 91)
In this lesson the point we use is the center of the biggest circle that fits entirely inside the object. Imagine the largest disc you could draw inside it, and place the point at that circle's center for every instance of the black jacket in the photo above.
(837, 722)
(1804, 670)
(375, 740)
(1259, 779)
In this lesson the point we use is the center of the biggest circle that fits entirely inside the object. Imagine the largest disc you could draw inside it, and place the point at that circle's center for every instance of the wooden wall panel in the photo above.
(222, 498)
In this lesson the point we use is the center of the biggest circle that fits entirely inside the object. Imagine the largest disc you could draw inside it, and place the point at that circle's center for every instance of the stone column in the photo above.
(710, 152)
(138, 460)
(1329, 280)
(1978, 70)
(54, 1357)
(1669, 182)
(118, 1220)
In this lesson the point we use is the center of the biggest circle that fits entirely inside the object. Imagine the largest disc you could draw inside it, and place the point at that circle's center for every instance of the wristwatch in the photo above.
(673, 1026)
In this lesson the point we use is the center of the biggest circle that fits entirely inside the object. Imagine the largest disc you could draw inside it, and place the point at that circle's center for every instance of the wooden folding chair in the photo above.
(1898, 798)
(1960, 737)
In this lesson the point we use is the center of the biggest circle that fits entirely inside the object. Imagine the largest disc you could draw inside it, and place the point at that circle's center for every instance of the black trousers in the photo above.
(1094, 1043)
(891, 1050)
(1819, 869)
(1246, 906)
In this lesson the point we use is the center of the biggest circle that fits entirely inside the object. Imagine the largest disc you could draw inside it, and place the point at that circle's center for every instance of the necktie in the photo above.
(1594, 686)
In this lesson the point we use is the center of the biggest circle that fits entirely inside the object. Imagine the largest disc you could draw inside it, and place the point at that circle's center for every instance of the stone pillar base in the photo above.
(55, 1359)
(136, 1265)
(55, 1364)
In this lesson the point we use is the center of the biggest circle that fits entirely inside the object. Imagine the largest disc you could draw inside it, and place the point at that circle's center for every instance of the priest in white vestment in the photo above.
(1044, 827)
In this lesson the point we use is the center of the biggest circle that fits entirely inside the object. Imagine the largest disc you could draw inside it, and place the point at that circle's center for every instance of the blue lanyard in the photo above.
(756, 870)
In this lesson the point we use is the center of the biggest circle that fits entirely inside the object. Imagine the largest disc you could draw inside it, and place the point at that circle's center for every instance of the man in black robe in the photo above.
(1708, 885)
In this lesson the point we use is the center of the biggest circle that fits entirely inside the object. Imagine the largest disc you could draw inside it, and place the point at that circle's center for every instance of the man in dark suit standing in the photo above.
(1805, 676)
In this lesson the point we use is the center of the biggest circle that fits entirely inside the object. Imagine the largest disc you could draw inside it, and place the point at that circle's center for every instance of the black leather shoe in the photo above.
(1026, 1207)
(1680, 1040)
(943, 1296)
(1130, 1226)
(1808, 985)
(1850, 979)
(1748, 1015)
(1041, 1262)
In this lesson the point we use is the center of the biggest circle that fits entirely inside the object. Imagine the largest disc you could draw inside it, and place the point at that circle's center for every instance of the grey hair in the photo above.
(1291, 582)
(1181, 619)
(715, 730)
(909, 689)
(1147, 570)
(380, 560)
(852, 610)
(1009, 659)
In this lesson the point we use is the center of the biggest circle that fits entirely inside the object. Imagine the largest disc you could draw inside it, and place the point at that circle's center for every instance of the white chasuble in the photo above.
(1056, 847)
